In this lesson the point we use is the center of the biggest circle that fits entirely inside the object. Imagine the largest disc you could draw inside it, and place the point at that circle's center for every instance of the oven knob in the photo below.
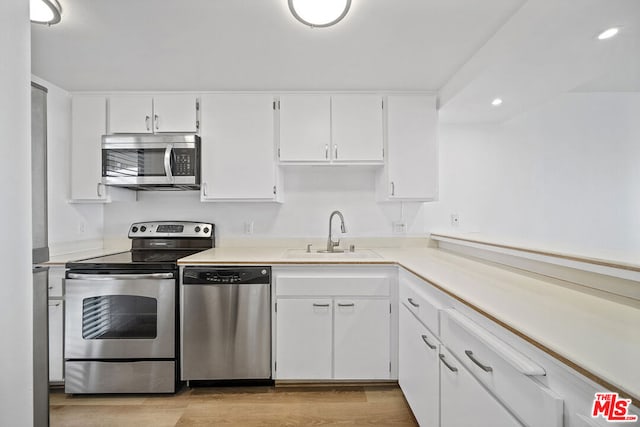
(206, 230)
(134, 229)
(143, 228)
(197, 229)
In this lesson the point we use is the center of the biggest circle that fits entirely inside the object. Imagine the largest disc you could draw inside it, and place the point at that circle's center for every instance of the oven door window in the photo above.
(119, 317)
(134, 162)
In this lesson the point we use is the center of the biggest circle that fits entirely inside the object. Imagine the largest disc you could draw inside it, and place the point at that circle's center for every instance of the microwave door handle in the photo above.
(167, 163)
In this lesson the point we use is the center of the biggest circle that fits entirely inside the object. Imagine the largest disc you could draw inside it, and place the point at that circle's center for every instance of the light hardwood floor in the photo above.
(239, 406)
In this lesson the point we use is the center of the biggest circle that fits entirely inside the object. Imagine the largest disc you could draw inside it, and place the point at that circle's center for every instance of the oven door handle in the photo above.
(120, 276)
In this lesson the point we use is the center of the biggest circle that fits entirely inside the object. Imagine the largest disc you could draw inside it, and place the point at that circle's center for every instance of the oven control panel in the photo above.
(164, 229)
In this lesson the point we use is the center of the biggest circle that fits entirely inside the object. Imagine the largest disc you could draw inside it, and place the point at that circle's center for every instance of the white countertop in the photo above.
(62, 259)
(598, 335)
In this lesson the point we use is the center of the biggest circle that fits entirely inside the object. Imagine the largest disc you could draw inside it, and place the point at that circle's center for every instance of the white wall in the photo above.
(67, 222)
(311, 194)
(565, 176)
(16, 357)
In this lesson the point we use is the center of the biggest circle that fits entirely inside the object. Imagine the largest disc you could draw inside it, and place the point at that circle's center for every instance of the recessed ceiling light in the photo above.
(496, 102)
(319, 13)
(607, 34)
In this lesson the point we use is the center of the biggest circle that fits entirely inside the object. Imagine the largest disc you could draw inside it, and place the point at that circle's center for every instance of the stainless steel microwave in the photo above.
(151, 162)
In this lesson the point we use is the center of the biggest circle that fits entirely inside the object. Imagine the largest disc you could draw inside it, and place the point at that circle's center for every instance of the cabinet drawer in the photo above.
(56, 278)
(332, 285)
(507, 373)
(413, 294)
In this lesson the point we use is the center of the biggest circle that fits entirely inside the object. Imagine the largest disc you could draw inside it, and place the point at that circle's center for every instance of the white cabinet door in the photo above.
(464, 401)
(412, 159)
(356, 128)
(305, 123)
(361, 342)
(419, 369)
(131, 114)
(238, 158)
(88, 124)
(56, 339)
(303, 338)
(175, 113)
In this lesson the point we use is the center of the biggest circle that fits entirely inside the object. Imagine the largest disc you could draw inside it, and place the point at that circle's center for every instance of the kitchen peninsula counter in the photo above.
(596, 335)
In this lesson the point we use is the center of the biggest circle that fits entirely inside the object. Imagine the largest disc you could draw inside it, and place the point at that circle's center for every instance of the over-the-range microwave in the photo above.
(151, 162)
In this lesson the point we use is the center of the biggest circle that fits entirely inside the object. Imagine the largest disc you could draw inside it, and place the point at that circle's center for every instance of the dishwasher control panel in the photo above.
(226, 275)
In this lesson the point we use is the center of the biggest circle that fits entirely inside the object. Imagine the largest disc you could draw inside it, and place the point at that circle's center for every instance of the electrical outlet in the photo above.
(455, 220)
(82, 227)
(399, 227)
(248, 227)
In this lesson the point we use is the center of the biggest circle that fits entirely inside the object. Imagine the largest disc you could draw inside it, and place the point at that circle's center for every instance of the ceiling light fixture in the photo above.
(607, 34)
(45, 11)
(319, 13)
(496, 102)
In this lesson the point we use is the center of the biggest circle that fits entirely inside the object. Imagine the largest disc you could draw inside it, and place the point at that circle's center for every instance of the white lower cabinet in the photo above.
(419, 368)
(464, 402)
(332, 323)
(305, 345)
(361, 338)
(56, 354)
(449, 363)
(56, 324)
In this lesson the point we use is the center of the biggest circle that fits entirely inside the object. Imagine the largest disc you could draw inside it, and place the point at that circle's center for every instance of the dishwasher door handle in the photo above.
(83, 276)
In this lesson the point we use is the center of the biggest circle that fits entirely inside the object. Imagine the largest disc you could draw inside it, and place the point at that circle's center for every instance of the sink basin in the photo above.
(360, 254)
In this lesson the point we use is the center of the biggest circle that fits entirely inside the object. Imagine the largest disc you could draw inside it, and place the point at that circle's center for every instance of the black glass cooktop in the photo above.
(133, 260)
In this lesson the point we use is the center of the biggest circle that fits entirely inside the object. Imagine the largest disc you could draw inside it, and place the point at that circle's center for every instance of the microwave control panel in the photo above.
(184, 162)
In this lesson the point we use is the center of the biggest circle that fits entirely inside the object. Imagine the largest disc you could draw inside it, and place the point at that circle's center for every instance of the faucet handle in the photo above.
(336, 243)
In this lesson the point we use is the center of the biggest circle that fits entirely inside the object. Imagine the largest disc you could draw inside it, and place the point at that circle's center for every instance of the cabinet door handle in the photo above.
(431, 346)
(346, 305)
(156, 120)
(393, 188)
(146, 122)
(335, 151)
(413, 303)
(451, 368)
(326, 151)
(274, 189)
(320, 305)
(204, 189)
(482, 366)
(98, 187)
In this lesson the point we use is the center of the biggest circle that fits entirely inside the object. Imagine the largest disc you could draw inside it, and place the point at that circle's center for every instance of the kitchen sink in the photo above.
(359, 254)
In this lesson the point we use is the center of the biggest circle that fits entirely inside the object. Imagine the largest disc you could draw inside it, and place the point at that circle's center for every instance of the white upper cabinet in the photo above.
(130, 114)
(412, 157)
(88, 124)
(305, 123)
(356, 128)
(238, 148)
(325, 129)
(175, 113)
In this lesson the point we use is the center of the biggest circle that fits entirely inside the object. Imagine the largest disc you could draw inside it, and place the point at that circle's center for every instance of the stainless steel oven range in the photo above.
(121, 312)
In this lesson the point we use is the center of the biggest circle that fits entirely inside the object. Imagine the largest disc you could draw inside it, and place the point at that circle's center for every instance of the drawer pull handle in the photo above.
(412, 303)
(485, 368)
(451, 368)
(321, 305)
(346, 305)
(431, 346)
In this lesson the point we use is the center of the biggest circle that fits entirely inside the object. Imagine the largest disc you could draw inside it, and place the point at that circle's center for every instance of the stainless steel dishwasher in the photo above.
(225, 323)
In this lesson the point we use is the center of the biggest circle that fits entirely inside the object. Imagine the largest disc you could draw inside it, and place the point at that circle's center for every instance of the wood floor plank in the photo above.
(238, 406)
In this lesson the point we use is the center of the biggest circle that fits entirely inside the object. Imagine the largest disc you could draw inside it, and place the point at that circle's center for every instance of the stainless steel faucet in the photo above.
(331, 245)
